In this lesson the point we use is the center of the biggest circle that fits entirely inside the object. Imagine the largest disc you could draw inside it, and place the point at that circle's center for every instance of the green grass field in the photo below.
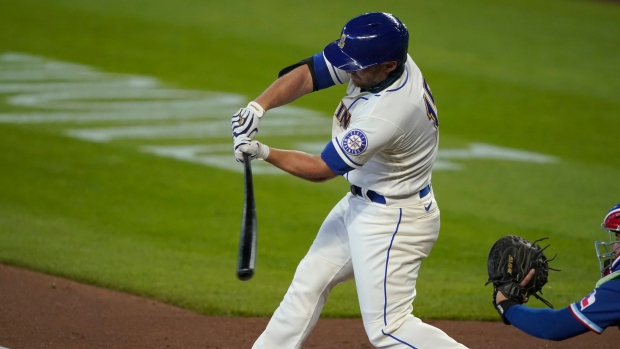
(116, 158)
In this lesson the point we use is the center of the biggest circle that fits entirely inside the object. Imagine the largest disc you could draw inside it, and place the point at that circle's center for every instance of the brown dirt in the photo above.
(42, 311)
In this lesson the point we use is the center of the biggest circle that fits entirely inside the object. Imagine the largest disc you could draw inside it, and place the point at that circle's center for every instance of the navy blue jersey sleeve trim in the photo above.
(545, 323)
(333, 160)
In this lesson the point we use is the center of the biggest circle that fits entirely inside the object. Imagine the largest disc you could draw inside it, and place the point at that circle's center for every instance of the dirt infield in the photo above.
(41, 311)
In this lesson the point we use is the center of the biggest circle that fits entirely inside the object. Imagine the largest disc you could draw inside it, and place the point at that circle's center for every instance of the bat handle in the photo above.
(245, 274)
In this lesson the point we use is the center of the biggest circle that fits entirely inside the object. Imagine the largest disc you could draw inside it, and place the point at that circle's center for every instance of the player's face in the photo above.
(372, 76)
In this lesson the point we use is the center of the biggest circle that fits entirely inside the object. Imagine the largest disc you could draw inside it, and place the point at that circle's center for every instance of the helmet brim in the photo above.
(339, 59)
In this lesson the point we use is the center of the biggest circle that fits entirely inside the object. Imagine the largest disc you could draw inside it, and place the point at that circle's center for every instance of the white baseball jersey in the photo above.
(386, 141)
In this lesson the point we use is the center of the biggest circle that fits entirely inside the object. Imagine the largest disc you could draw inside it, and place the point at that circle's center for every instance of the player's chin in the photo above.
(355, 80)
(360, 84)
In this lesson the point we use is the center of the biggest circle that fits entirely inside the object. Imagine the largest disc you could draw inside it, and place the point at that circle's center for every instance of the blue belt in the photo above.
(380, 199)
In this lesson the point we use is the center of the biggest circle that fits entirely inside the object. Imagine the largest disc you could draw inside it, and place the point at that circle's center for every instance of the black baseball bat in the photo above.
(247, 242)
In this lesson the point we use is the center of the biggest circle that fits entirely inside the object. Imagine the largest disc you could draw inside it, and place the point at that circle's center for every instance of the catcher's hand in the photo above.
(246, 120)
(517, 269)
(499, 296)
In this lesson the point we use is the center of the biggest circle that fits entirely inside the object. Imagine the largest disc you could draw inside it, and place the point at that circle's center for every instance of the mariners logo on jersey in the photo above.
(354, 142)
(343, 116)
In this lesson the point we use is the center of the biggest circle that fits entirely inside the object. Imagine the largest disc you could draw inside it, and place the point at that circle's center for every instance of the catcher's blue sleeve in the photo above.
(545, 323)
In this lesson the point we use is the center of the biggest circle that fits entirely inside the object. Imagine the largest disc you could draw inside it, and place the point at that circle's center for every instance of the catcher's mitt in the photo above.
(510, 260)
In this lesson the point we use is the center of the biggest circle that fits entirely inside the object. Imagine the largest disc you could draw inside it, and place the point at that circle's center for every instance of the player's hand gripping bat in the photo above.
(247, 242)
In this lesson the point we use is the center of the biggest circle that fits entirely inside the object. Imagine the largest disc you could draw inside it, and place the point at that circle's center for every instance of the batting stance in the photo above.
(384, 142)
(594, 312)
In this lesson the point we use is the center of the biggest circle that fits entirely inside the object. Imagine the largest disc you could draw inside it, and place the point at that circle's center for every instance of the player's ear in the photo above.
(390, 66)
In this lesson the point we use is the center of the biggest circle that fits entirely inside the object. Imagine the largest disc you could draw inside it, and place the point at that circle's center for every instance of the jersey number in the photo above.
(431, 109)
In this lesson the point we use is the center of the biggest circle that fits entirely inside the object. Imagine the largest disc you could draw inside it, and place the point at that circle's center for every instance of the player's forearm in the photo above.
(287, 88)
(300, 164)
(545, 323)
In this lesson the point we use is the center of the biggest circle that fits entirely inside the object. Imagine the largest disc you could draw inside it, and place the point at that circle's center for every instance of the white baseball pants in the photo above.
(384, 247)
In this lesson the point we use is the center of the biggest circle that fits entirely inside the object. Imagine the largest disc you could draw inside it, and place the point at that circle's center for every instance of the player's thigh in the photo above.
(332, 241)
(327, 263)
(410, 245)
(387, 247)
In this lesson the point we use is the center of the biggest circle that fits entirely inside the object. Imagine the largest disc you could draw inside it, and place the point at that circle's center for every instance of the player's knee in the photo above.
(380, 339)
(380, 334)
(313, 281)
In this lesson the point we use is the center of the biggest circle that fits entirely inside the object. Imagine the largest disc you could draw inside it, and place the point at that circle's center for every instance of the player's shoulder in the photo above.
(413, 69)
(397, 102)
(612, 285)
(409, 86)
(607, 292)
(613, 277)
(405, 94)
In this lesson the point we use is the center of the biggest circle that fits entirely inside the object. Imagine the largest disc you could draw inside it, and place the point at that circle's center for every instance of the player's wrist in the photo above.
(503, 306)
(263, 151)
(256, 108)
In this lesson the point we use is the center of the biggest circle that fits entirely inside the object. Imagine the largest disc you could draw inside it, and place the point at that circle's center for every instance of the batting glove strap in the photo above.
(258, 110)
(263, 151)
(503, 306)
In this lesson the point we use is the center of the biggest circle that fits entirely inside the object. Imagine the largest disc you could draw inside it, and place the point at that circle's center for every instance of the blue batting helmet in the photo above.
(367, 40)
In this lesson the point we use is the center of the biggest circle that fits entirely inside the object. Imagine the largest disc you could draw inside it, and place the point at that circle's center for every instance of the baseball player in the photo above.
(595, 312)
(384, 142)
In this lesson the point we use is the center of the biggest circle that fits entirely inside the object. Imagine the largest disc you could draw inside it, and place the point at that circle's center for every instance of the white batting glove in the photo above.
(246, 120)
(255, 149)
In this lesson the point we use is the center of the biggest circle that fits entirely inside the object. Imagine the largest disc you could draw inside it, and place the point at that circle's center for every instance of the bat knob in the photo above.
(245, 274)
